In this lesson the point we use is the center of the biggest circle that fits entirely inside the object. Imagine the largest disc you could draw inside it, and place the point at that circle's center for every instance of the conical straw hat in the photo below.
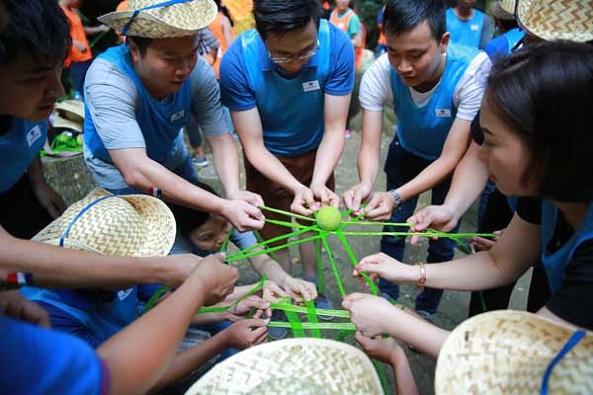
(508, 352)
(557, 19)
(162, 18)
(126, 225)
(293, 366)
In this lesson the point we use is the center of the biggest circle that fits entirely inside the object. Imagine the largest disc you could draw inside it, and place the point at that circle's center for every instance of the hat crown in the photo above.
(557, 19)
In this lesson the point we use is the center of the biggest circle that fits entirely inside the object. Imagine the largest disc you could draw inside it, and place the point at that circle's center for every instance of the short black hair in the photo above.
(141, 42)
(38, 28)
(401, 16)
(544, 92)
(281, 16)
(188, 219)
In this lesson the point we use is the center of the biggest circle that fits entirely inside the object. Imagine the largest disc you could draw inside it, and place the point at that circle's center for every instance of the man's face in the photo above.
(466, 3)
(342, 5)
(295, 47)
(166, 64)
(417, 57)
(29, 88)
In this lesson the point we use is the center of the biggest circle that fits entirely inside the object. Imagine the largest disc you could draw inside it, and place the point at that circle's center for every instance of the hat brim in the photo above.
(179, 20)
(335, 367)
(551, 20)
(155, 238)
(508, 6)
(72, 109)
(508, 351)
(60, 122)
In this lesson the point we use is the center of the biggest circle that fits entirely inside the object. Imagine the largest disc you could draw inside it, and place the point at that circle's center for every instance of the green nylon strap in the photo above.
(312, 318)
(348, 327)
(354, 261)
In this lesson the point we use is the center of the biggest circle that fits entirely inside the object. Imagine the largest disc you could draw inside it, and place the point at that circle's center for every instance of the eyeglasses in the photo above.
(299, 58)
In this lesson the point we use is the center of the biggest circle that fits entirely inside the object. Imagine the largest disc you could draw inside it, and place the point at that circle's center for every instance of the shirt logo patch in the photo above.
(309, 86)
(124, 293)
(443, 113)
(33, 135)
(474, 28)
(177, 116)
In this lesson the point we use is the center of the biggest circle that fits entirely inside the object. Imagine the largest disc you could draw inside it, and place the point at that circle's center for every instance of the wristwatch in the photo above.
(396, 196)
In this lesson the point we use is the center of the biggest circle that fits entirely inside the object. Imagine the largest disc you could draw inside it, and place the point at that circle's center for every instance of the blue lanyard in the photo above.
(80, 214)
(573, 341)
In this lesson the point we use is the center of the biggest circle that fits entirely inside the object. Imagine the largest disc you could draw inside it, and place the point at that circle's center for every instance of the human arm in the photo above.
(331, 147)
(13, 304)
(46, 195)
(240, 335)
(141, 353)
(387, 350)
(92, 30)
(227, 31)
(516, 250)
(53, 266)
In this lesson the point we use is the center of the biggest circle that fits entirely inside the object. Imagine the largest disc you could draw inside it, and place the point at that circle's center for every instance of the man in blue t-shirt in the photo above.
(467, 25)
(436, 88)
(288, 85)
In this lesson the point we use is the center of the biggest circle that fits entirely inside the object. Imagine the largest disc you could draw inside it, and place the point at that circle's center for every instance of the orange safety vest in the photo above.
(77, 33)
(216, 29)
(382, 39)
(359, 52)
(343, 21)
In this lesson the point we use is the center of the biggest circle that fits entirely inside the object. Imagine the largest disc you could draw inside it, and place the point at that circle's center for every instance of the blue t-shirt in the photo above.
(39, 361)
(502, 45)
(467, 32)
(18, 147)
(291, 110)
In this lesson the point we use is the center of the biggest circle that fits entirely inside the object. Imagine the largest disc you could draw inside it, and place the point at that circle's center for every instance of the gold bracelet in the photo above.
(422, 279)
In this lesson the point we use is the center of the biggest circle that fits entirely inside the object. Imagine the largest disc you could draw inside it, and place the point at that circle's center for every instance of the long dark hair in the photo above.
(544, 92)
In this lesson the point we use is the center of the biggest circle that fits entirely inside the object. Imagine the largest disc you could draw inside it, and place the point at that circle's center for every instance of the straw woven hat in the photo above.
(508, 5)
(504, 352)
(293, 366)
(499, 12)
(557, 19)
(183, 19)
(126, 225)
(69, 114)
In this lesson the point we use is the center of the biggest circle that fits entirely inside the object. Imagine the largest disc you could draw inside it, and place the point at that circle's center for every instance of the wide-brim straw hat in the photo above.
(508, 5)
(293, 366)
(125, 225)
(185, 18)
(557, 19)
(508, 352)
(497, 11)
(69, 114)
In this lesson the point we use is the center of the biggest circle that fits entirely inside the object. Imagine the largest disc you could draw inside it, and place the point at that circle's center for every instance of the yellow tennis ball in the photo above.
(329, 218)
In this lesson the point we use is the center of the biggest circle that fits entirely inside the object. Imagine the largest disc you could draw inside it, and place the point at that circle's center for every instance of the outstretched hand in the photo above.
(382, 266)
(437, 217)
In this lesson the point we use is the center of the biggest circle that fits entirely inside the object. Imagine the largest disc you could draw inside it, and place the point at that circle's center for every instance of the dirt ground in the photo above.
(453, 308)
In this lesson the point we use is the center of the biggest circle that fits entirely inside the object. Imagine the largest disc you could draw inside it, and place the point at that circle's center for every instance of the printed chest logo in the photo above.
(474, 28)
(177, 116)
(124, 293)
(443, 112)
(309, 86)
(33, 135)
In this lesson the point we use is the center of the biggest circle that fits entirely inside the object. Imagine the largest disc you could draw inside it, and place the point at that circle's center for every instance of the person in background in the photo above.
(381, 41)
(436, 88)
(80, 57)
(467, 25)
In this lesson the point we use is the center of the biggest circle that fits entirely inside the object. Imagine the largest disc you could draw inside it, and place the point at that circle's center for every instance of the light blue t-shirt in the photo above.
(18, 147)
(291, 110)
(468, 32)
(41, 361)
(502, 45)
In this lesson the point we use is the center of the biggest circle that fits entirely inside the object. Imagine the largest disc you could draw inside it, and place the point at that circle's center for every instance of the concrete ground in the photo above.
(454, 305)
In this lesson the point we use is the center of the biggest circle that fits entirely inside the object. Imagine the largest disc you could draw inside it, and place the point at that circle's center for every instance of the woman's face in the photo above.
(505, 154)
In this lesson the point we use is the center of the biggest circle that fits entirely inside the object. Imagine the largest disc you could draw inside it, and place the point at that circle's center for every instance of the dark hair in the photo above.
(35, 27)
(141, 42)
(281, 16)
(225, 11)
(189, 219)
(544, 93)
(507, 24)
(401, 16)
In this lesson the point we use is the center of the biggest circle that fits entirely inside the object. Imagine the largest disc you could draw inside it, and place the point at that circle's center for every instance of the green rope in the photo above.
(287, 213)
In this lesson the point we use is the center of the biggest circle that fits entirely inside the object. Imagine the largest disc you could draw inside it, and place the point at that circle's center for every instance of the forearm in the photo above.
(53, 266)
(149, 344)
(271, 167)
(368, 164)
(328, 155)
(187, 361)
(263, 264)
(226, 162)
(469, 179)
(404, 378)
(433, 174)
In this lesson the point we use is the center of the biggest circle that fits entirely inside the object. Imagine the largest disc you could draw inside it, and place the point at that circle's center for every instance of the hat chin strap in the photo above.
(168, 3)
(80, 214)
(576, 337)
